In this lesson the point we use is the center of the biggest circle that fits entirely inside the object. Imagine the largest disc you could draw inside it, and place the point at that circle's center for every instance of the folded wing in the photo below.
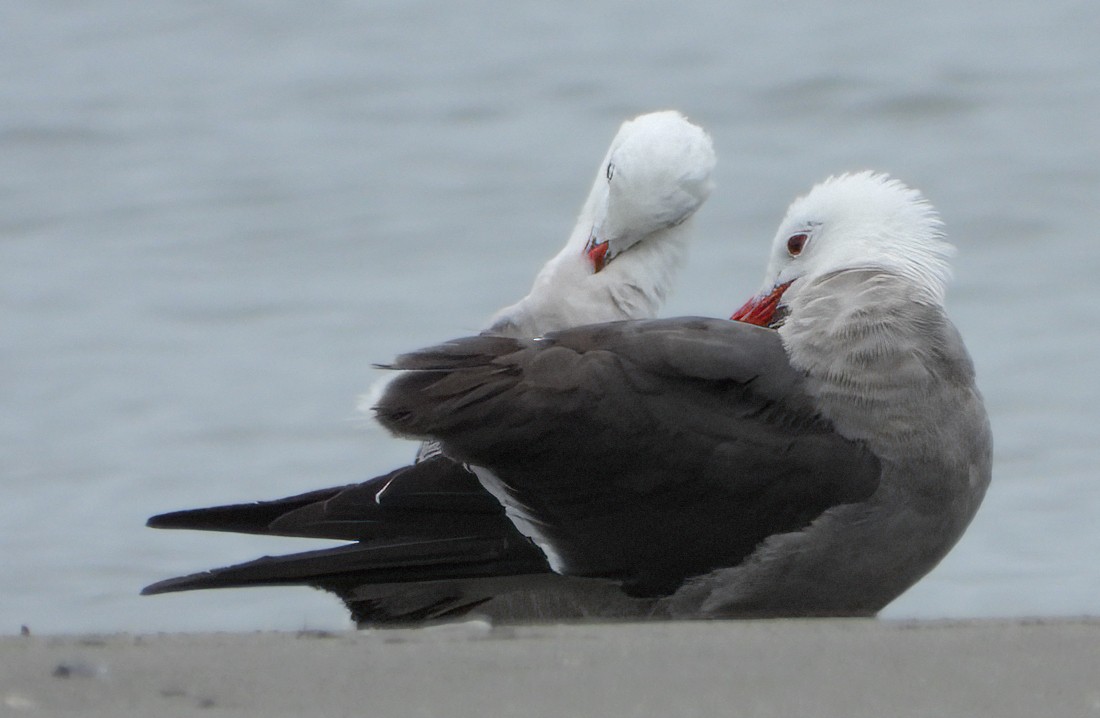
(647, 452)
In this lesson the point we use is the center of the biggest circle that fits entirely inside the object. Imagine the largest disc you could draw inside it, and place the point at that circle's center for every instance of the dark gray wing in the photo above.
(646, 451)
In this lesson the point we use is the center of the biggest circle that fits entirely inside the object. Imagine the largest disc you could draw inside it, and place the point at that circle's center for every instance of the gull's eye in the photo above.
(796, 242)
(610, 171)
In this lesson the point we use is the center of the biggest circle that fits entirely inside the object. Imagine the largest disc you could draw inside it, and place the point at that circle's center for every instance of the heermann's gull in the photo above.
(819, 464)
(631, 234)
(617, 264)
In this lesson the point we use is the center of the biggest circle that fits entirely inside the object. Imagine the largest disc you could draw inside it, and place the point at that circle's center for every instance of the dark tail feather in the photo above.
(253, 518)
(381, 583)
(433, 497)
(365, 563)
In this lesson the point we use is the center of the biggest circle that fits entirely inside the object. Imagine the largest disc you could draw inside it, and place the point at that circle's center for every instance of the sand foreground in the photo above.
(818, 668)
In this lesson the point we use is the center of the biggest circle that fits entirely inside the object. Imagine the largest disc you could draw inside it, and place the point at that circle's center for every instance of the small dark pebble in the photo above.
(176, 692)
(74, 669)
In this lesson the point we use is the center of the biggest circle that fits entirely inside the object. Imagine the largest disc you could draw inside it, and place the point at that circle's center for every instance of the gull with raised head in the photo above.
(817, 457)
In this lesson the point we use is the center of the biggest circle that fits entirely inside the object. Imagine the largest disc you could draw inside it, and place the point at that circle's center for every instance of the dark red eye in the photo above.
(796, 242)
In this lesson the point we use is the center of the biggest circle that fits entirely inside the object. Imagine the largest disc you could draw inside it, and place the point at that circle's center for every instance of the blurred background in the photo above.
(214, 216)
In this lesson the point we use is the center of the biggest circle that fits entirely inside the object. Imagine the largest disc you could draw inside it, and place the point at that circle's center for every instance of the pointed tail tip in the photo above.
(159, 587)
(186, 518)
(191, 582)
(160, 521)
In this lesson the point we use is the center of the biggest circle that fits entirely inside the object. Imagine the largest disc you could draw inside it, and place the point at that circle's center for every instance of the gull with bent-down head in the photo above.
(618, 263)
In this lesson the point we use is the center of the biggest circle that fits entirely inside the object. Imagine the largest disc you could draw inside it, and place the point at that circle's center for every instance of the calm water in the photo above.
(215, 216)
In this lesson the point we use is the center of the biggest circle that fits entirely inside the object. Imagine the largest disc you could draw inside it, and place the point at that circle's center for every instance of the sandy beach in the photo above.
(822, 668)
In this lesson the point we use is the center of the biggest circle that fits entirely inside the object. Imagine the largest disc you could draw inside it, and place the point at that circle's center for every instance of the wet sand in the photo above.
(818, 668)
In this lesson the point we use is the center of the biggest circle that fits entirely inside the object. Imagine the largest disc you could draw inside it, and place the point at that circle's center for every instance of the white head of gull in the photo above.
(631, 234)
(857, 221)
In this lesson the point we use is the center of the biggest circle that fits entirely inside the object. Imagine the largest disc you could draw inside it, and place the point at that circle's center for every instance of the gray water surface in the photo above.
(215, 216)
